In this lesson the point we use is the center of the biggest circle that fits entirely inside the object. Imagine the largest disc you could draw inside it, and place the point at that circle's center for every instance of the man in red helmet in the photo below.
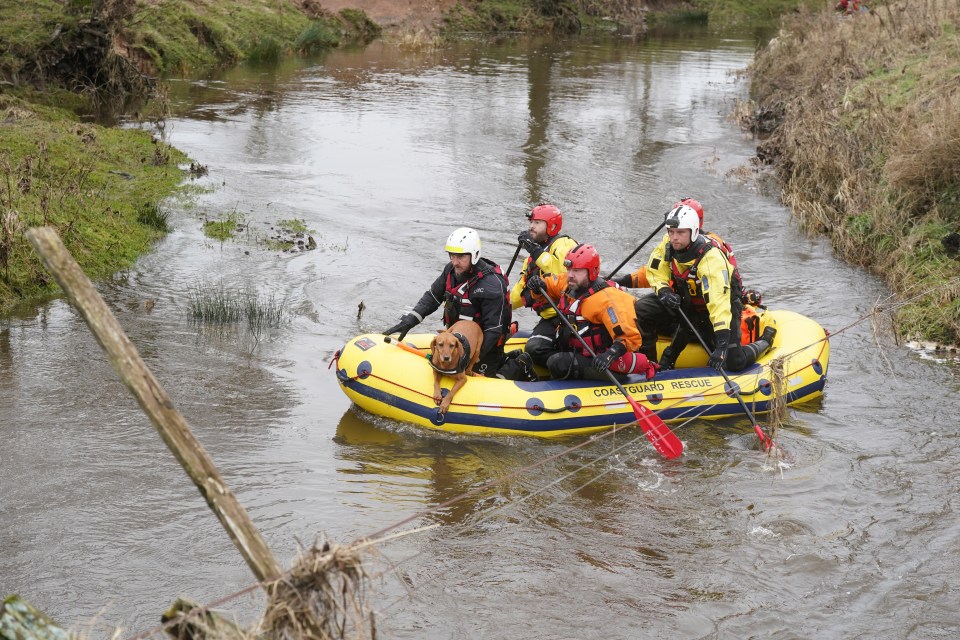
(547, 248)
(602, 314)
(695, 277)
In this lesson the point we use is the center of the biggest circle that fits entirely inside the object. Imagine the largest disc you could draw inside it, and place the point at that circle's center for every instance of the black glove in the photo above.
(603, 360)
(536, 284)
(669, 299)
(407, 322)
(669, 358)
(530, 245)
(719, 355)
(625, 281)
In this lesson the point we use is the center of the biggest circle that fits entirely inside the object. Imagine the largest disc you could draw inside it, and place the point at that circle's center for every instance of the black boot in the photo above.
(525, 362)
(768, 335)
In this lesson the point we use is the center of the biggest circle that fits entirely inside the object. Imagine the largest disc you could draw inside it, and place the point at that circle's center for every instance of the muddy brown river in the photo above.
(381, 152)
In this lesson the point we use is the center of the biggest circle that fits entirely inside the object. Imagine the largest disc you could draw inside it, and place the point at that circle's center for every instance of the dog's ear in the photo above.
(439, 331)
(433, 344)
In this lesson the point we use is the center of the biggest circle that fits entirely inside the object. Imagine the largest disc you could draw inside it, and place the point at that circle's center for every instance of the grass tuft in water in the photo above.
(152, 216)
(217, 305)
(266, 50)
(223, 229)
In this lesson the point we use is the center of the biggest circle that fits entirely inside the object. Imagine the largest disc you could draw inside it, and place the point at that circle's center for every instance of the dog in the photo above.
(454, 351)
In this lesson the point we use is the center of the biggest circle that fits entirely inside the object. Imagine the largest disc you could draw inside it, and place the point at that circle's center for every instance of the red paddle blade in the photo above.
(658, 433)
(764, 440)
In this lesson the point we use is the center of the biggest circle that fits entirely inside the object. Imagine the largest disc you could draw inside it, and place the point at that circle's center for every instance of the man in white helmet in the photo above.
(694, 276)
(469, 288)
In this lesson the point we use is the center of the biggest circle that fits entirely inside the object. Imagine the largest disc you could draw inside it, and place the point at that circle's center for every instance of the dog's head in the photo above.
(446, 349)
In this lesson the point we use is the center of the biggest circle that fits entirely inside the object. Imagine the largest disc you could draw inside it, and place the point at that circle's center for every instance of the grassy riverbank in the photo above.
(867, 146)
(623, 16)
(102, 187)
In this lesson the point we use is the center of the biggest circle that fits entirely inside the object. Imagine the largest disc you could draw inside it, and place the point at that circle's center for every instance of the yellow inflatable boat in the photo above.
(396, 381)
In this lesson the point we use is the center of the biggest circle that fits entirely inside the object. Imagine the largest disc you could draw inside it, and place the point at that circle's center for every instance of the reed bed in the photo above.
(219, 306)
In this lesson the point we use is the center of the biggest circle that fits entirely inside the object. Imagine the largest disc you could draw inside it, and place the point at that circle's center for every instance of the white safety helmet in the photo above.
(685, 217)
(465, 240)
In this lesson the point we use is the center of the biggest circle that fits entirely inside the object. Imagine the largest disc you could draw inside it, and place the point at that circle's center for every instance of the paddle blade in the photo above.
(658, 433)
(764, 440)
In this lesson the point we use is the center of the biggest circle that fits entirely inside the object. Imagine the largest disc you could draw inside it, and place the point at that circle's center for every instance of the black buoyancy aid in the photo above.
(595, 335)
(686, 283)
(456, 299)
(461, 364)
(538, 304)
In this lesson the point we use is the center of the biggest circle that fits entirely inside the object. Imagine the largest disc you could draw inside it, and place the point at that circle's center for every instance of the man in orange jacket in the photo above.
(602, 314)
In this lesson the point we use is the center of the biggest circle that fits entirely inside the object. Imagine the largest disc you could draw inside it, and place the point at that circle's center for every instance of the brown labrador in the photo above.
(450, 358)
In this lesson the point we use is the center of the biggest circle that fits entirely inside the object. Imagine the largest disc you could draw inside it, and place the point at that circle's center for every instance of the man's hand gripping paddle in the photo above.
(764, 439)
(658, 433)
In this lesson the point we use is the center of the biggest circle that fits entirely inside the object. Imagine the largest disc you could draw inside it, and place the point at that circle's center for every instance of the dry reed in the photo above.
(867, 145)
(322, 597)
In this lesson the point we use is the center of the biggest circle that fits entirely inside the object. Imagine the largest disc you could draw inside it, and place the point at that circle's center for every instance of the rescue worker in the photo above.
(601, 313)
(638, 279)
(469, 288)
(695, 276)
(547, 248)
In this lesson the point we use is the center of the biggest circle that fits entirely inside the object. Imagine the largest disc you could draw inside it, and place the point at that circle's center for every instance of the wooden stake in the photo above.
(154, 401)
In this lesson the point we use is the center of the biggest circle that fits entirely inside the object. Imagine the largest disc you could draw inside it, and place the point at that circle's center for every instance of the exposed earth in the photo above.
(397, 15)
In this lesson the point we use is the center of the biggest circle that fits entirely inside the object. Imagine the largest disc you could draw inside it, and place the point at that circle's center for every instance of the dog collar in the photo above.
(462, 364)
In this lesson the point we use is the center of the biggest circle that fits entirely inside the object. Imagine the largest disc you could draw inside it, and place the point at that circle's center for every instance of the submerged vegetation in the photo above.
(219, 306)
(865, 139)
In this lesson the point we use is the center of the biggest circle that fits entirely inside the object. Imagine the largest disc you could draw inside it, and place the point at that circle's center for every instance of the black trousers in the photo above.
(568, 365)
(654, 319)
(543, 340)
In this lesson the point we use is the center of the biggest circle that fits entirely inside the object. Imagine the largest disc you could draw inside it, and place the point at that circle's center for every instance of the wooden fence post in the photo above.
(154, 401)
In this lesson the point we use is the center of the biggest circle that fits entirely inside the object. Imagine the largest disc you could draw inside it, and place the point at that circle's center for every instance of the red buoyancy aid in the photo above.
(688, 280)
(457, 304)
(595, 335)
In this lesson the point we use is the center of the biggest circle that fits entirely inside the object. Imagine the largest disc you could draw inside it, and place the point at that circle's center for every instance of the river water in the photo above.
(381, 152)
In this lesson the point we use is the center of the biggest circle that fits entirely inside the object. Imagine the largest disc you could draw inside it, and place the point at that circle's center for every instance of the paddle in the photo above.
(515, 254)
(764, 440)
(642, 244)
(656, 430)
(404, 346)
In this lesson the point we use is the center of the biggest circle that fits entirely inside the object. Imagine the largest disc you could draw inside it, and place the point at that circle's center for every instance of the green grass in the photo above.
(98, 186)
(293, 225)
(224, 228)
(319, 35)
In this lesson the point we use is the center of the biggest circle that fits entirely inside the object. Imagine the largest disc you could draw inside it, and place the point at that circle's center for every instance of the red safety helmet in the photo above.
(584, 256)
(693, 204)
(549, 214)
